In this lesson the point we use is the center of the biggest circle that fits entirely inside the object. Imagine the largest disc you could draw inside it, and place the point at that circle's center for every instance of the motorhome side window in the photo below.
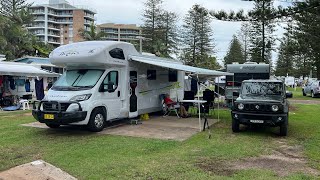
(151, 74)
(117, 53)
(111, 79)
(173, 75)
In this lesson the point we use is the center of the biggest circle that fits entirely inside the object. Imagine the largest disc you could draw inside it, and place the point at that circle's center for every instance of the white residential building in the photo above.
(59, 22)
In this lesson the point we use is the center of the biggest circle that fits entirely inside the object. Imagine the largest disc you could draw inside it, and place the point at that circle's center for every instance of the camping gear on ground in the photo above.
(12, 108)
(144, 117)
(24, 103)
(6, 101)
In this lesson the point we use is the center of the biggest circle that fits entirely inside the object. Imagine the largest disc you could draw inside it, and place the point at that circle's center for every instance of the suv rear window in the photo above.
(262, 88)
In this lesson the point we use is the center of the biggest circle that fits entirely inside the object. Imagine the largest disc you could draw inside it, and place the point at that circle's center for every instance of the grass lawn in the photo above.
(88, 155)
(297, 94)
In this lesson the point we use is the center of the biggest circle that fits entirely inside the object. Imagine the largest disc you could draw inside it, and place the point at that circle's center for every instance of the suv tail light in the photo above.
(230, 83)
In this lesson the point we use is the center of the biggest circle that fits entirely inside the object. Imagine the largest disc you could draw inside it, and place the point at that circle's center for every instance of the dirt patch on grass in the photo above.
(292, 108)
(220, 168)
(296, 101)
(283, 161)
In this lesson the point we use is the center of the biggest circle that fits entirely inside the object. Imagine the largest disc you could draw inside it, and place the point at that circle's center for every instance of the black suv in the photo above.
(261, 102)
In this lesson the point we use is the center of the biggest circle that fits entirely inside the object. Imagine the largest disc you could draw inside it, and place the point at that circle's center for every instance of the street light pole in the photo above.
(140, 39)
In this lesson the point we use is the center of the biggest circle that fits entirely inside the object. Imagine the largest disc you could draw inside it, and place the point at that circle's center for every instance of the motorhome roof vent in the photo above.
(250, 63)
(235, 63)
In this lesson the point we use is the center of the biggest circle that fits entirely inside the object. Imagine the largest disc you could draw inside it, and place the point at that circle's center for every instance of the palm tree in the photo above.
(92, 34)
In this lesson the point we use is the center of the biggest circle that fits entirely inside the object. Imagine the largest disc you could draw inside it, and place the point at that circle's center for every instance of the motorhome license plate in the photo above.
(48, 116)
(257, 121)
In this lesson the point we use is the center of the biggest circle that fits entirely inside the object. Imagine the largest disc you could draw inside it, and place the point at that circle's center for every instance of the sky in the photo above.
(130, 12)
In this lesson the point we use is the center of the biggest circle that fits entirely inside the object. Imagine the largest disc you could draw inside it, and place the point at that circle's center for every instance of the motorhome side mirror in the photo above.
(110, 86)
(107, 87)
(236, 94)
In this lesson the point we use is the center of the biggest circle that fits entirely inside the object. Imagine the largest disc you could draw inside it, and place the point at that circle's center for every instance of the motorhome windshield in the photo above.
(262, 88)
(74, 80)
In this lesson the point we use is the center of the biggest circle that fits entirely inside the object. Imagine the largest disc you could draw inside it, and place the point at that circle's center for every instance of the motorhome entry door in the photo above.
(133, 102)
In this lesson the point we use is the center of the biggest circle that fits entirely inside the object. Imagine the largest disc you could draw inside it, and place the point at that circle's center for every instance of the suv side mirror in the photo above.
(288, 94)
(235, 94)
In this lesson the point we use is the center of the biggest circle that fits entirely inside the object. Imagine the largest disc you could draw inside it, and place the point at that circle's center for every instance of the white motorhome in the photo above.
(106, 81)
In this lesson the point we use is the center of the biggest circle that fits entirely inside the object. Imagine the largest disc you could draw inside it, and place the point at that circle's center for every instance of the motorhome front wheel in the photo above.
(97, 120)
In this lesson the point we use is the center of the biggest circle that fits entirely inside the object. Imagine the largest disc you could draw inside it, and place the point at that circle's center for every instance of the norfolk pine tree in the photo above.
(235, 52)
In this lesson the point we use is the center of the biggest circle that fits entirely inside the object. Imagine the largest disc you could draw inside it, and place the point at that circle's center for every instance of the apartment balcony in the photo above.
(130, 33)
(88, 16)
(54, 34)
(54, 42)
(39, 19)
(54, 28)
(38, 12)
(38, 33)
(88, 23)
(36, 26)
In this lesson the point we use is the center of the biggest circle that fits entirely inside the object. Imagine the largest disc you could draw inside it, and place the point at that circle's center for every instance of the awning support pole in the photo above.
(199, 103)
(218, 99)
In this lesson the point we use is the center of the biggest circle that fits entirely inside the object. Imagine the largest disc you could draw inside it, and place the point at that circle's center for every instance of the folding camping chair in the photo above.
(167, 108)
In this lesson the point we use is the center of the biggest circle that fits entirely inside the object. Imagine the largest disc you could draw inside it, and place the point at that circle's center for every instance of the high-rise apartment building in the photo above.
(120, 32)
(59, 22)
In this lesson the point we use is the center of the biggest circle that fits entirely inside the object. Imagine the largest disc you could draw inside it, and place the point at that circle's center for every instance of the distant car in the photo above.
(312, 88)
(263, 103)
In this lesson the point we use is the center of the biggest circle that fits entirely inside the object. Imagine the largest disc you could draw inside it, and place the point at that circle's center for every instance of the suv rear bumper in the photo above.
(259, 119)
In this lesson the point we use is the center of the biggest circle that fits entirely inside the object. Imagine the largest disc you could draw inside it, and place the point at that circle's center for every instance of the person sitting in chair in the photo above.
(182, 111)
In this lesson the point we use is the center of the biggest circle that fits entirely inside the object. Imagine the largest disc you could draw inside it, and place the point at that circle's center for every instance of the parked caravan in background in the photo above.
(243, 72)
(289, 81)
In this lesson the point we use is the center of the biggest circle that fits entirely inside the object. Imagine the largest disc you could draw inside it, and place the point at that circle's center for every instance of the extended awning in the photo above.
(19, 69)
(171, 64)
(162, 62)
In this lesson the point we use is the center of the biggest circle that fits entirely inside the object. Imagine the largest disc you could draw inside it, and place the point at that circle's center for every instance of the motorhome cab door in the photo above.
(111, 96)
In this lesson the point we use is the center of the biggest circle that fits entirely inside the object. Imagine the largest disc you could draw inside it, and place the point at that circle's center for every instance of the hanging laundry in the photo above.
(11, 82)
(1, 80)
(39, 89)
(27, 85)
(20, 82)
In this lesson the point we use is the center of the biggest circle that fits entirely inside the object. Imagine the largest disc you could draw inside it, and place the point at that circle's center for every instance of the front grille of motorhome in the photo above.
(53, 106)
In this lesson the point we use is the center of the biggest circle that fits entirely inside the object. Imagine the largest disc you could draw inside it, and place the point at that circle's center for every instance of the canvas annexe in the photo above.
(108, 80)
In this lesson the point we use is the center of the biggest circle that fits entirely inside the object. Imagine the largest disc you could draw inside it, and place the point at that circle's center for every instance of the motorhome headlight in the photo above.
(240, 106)
(275, 108)
(81, 97)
